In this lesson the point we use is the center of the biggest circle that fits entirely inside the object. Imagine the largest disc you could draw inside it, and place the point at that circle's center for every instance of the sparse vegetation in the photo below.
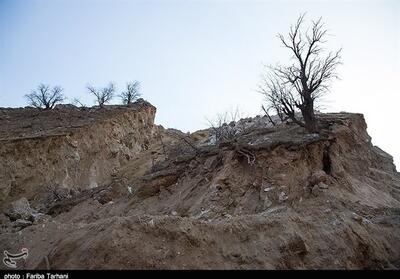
(45, 97)
(294, 88)
(225, 126)
(132, 93)
(103, 95)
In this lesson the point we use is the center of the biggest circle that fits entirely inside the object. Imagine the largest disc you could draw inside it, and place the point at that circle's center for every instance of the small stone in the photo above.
(356, 217)
(4, 219)
(317, 177)
(20, 209)
(282, 197)
(365, 221)
(20, 223)
(267, 203)
(73, 143)
(335, 222)
(268, 189)
(174, 213)
(322, 185)
(315, 190)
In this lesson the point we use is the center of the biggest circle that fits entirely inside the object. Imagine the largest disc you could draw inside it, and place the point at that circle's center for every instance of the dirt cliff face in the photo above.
(68, 147)
(272, 197)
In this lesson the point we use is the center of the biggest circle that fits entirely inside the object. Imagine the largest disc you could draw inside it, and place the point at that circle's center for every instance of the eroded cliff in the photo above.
(68, 148)
(272, 197)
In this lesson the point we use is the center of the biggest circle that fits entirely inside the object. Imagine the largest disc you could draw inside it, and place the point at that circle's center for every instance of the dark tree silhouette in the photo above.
(132, 93)
(103, 95)
(45, 97)
(289, 89)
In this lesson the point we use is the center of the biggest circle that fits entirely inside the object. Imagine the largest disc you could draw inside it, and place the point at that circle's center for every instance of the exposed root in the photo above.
(251, 158)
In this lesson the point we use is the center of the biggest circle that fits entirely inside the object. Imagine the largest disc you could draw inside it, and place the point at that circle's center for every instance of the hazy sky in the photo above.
(197, 58)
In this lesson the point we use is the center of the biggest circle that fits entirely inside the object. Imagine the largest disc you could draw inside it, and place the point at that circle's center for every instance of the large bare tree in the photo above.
(45, 97)
(132, 93)
(293, 88)
(103, 95)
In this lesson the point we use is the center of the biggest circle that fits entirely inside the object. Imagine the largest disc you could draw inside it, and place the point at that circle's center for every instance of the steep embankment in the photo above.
(68, 148)
(274, 197)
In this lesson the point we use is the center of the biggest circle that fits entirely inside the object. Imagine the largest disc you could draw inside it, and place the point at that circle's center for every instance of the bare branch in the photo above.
(103, 95)
(44, 97)
(132, 93)
(295, 87)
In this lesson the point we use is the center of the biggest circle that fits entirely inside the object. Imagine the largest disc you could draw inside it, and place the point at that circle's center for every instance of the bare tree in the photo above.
(45, 97)
(103, 95)
(132, 93)
(294, 88)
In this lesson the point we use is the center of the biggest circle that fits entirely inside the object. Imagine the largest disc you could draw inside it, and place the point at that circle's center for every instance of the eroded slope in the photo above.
(274, 197)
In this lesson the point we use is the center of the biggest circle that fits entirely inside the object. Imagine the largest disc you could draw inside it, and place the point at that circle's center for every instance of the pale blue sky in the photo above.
(197, 58)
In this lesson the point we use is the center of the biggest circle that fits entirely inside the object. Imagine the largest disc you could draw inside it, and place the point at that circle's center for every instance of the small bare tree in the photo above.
(289, 89)
(103, 95)
(225, 127)
(132, 93)
(45, 97)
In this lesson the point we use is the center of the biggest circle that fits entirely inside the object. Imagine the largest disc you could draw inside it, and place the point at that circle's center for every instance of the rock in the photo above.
(62, 193)
(322, 185)
(20, 223)
(282, 197)
(295, 246)
(40, 218)
(20, 209)
(267, 203)
(73, 143)
(268, 189)
(174, 213)
(356, 217)
(315, 191)
(317, 177)
(365, 221)
(74, 192)
(130, 190)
